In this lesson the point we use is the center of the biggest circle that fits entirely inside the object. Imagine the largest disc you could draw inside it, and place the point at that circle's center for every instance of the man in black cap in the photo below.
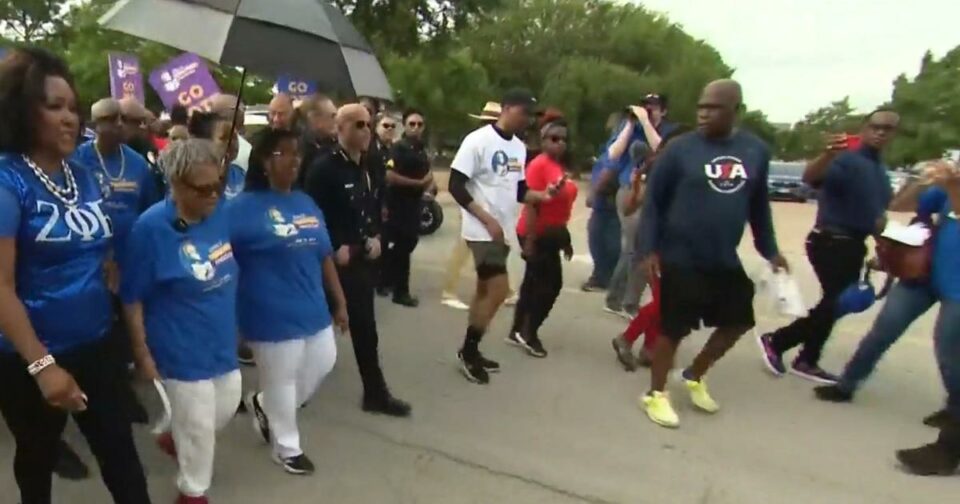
(487, 181)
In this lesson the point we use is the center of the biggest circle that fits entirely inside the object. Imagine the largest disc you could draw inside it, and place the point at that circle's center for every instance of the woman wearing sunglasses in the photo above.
(282, 246)
(543, 233)
(179, 289)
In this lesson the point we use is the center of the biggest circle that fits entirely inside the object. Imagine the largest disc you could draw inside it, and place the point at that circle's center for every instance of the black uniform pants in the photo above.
(542, 282)
(402, 236)
(36, 426)
(837, 261)
(358, 280)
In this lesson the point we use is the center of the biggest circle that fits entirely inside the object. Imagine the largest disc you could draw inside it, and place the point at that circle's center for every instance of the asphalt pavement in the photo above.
(567, 428)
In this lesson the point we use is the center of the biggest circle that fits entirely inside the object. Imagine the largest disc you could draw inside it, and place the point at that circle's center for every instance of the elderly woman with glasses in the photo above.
(179, 289)
(283, 248)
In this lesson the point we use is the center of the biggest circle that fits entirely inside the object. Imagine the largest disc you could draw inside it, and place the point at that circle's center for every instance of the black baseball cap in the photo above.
(655, 99)
(519, 97)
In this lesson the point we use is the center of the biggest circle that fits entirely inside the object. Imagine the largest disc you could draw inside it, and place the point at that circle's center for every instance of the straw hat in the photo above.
(491, 112)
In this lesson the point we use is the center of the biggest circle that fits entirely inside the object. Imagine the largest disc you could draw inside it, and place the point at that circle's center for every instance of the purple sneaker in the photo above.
(812, 373)
(772, 359)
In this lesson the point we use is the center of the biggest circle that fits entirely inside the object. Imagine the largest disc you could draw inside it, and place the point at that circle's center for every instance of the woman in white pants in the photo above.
(179, 289)
(286, 259)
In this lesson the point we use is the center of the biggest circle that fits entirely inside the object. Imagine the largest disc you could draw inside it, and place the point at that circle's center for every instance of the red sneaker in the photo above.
(183, 499)
(166, 444)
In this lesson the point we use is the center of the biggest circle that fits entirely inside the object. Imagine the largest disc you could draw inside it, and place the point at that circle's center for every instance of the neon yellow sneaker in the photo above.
(658, 408)
(700, 396)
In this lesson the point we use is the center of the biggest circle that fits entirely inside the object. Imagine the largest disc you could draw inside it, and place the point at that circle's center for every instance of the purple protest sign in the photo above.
(185, 80)
(125, 76)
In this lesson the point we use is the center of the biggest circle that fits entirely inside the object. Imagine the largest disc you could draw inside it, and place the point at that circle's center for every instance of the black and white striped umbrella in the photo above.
(309, 39)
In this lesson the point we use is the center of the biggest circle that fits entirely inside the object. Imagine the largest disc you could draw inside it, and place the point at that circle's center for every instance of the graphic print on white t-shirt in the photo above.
(494, 167)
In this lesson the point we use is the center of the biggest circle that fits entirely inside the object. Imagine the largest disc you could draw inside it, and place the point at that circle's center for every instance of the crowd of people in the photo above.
(187, 250)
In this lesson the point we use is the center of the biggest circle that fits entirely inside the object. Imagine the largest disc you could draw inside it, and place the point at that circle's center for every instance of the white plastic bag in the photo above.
(781, 289)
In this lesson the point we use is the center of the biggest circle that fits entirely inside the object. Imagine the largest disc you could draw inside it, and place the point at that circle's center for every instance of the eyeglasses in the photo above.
(388, 125)
(215, 189)
(557, 139)
(361, 125)
(415, 124)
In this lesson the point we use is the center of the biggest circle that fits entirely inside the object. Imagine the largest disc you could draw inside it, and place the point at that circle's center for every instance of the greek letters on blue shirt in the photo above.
(280, 241)
(60, 253)
(946, 246)
(186, 280)
(128, 188)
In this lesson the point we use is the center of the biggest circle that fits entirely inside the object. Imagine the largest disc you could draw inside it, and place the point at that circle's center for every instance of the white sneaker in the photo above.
(512, 300)
(453, 302)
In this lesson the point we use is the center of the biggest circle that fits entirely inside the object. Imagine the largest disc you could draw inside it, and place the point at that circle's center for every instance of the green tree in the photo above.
(806, 138)
(929, 105)
(445, 89)
(405, 26)
(31, 21)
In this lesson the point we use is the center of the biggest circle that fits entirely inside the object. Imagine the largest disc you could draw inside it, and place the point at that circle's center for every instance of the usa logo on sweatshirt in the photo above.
(726, 174)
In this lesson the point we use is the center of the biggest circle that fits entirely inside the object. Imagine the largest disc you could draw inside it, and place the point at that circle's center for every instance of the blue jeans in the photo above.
(906, 303)
(603, 237)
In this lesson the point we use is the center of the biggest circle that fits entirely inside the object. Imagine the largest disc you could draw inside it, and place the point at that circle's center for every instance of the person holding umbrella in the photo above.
(344, 188)
(55, 310)
(179, 289)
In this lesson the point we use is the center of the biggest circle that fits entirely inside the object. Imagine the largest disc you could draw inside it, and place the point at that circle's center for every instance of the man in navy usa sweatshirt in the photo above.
(704, 189)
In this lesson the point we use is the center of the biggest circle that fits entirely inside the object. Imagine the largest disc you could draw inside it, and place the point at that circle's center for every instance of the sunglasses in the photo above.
(557, 139)
(215, 189)
(388, 125)
(415, 124)
(360, 125)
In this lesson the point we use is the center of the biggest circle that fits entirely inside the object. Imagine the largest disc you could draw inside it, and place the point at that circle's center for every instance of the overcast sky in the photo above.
(793, 56)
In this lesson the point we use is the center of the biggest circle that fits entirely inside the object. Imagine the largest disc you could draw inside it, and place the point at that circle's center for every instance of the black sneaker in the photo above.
(261, 423)
(534, 347)
(515, 339)
(69, 466)
(473, 369)
(833, 393)
(489, 365)
(406, 300)
(387, 405)
(245, 355)
(299, 465)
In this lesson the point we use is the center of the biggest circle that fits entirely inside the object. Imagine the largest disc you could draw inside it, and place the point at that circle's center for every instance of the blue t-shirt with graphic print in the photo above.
(60, 254)
(186, 279)
(280, 241)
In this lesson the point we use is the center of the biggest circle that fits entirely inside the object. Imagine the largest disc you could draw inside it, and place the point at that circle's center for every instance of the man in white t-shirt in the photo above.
(487, 181)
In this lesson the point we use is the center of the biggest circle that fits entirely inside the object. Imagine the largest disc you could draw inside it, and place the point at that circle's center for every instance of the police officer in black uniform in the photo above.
(350, 195)
(408, 176)
(319, 133)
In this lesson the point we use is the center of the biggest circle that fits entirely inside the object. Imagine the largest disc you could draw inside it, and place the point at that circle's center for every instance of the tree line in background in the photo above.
(589, 58)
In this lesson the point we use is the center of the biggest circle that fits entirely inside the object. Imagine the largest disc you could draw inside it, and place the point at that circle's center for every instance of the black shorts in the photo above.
(715, 298)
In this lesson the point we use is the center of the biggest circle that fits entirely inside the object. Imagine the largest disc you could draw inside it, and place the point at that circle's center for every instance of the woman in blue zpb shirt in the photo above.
(179, 288)
(281, 243)
(55, 307)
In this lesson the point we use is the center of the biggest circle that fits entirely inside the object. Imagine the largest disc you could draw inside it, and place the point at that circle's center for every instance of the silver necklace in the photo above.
(103, 165)
(68, 195)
